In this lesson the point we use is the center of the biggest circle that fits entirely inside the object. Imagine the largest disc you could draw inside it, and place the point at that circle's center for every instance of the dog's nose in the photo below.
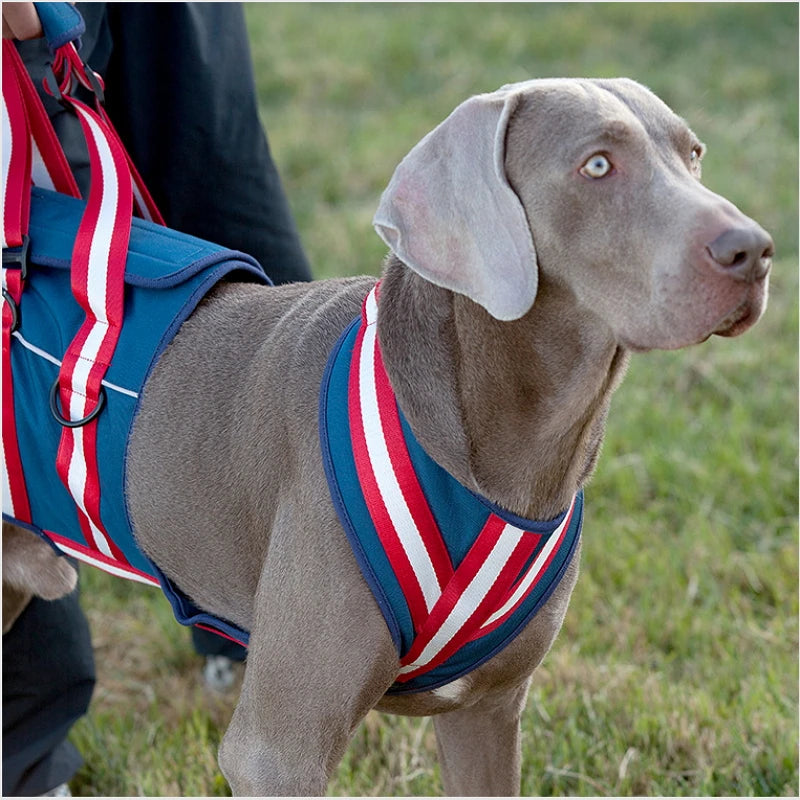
(744, 253)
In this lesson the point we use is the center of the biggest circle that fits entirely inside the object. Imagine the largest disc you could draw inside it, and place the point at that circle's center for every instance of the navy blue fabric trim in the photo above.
(533, 525)
(184, 610)
(187, 613)
(61, 23)
(338, 502)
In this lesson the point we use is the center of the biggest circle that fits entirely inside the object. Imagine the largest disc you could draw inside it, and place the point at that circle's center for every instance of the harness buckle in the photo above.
(17, 257)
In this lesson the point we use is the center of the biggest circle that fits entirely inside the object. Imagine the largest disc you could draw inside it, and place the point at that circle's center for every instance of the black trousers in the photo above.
(48, 678)
(180, 91)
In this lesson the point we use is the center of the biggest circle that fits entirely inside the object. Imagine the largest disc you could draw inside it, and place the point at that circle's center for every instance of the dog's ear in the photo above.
(450, 214)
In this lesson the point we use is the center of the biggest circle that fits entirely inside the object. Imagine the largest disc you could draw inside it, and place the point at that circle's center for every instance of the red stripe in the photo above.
(17, 197)
(13, 465)
(112, 294)
(90, 553)
(42, 130)
(542, 571)
(461, 579)
(219, 633)
(471, 564)
(387, 534)
(406, 475)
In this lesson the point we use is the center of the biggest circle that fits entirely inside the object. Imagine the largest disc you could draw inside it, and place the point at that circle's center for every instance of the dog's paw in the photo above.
(31, 565)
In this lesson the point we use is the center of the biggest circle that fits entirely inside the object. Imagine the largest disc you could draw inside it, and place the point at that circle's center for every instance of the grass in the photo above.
(676, 672)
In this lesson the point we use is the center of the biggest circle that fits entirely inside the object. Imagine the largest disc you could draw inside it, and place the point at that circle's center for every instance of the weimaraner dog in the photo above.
(538, 236)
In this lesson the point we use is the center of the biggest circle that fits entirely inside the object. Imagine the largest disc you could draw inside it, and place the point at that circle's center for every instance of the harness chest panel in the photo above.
(455, 576)
(167, 274)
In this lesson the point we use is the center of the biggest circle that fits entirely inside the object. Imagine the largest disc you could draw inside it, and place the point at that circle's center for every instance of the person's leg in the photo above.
(181, 93)
(48, 678)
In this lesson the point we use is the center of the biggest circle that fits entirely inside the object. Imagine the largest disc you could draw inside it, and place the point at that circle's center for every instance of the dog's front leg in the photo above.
(479, 746)
(320, 658)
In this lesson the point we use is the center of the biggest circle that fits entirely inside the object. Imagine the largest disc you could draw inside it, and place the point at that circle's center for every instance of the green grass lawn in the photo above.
(676, 672)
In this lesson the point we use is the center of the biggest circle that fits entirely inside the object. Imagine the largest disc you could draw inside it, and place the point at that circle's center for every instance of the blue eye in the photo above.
(598, 166)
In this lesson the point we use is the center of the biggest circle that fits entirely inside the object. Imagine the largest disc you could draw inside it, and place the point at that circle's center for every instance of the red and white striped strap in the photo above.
(403, 519)
(16, 158)
(68, 67)
(98, 283)
(31, 149)
(449, 607)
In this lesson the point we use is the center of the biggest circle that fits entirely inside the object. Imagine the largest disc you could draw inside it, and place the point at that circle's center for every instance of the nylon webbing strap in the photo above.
(31, 151)
(16, 208)
(98, 284)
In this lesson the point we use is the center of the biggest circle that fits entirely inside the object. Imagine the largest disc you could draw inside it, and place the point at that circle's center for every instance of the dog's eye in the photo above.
(696, 156)
(598, 166)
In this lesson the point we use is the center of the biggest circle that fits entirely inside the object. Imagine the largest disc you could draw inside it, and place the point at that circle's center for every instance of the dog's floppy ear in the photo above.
(450, 214)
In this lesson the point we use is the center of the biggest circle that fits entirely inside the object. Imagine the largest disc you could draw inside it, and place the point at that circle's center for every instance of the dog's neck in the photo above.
(514, 410)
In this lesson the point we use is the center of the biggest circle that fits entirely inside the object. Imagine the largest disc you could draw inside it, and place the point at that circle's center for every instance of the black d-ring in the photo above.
(68, 423)
(14, 310)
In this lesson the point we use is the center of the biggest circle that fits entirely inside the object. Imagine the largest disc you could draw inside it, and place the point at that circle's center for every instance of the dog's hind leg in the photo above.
(320, 657)
(479, 746)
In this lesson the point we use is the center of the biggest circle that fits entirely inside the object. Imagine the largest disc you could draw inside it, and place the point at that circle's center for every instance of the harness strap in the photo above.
(16, 212)
(98, 284)
(449, 606)
(69, 64)
(97, 274)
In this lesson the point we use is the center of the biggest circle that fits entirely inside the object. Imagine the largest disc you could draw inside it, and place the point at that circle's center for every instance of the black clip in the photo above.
(96, 87)
(51, 85)
(53, 88)
(68, 423)
(17, 257)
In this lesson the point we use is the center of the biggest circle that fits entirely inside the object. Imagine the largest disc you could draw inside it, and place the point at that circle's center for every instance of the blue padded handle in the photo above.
(61, 23)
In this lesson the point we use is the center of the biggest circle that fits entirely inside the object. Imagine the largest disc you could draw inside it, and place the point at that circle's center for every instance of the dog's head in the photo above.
(593, 183)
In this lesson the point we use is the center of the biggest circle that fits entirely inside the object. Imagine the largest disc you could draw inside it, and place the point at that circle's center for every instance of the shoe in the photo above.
(219, 673)
(59, 791)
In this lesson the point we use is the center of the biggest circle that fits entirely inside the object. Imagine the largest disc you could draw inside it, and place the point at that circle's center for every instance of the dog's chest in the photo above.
(456, 577)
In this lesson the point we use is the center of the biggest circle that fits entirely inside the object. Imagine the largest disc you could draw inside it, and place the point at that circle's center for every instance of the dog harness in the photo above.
(455, 576)
(166, 276)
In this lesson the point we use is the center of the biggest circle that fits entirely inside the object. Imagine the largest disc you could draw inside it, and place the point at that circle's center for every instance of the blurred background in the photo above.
(676, 670)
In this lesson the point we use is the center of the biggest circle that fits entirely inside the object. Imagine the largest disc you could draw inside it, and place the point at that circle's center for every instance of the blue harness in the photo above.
(487, 571)
(467, 554)
(159, 259)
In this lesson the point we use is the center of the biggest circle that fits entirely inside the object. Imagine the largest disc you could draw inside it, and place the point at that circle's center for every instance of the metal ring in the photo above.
(68, 423)
(14, 310)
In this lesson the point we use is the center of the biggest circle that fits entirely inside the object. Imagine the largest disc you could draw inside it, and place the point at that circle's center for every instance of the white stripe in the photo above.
(471, 597)
(140, 202)
(83, 366)
(7, 146)
(533, 572)
(53, 360)
(97, 282)
(383, 471)
(96, 291)
(119, 571)
(41, 177)
(8, 500)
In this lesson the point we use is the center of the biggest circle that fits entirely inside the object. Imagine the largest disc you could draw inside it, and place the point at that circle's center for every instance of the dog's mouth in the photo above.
(737, 321)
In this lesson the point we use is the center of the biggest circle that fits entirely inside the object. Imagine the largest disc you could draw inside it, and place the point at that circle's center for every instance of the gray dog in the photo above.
(538, 236)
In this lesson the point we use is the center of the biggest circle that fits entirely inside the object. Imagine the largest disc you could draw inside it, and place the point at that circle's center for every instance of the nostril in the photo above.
(743, 252)
(738, 258)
